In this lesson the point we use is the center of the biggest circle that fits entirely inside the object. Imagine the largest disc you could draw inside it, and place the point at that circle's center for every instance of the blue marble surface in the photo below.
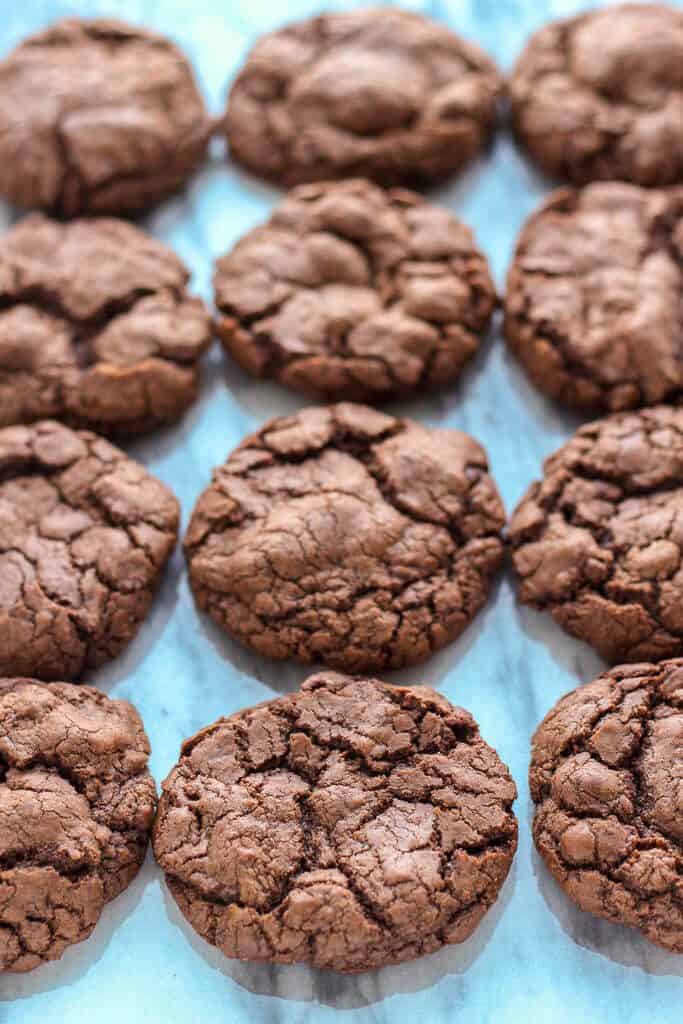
(535, 955)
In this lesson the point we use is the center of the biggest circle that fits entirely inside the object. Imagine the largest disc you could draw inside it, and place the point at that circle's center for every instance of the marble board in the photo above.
(535, 956)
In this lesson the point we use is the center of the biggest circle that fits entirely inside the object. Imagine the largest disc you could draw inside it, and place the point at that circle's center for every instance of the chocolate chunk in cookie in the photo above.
(76, 810)
(350, 291)
(380, 93)
(349, 826)
(599, 541)
(594, 296)
(600, 95)
(98, 117)
(96, 327)
(607, 778)
(85, 533)
(349, 537)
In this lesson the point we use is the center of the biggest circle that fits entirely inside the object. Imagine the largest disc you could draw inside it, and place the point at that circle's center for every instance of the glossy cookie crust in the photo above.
(349, 537)
(606, 776)
(379, 93)
(97, 116)
(352, 292)
(600, 96)
(76, 809)
(349, 825)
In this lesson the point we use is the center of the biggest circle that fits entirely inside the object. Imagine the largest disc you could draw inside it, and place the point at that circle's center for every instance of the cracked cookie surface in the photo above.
(346, 536)
(606, 776)
(76, 810)
(349, 825)
(599, 541)
(96, 327)
(97, 116)
(378, 93)
(600, 95)
(84, 535)
(350, 291)
(595, 293)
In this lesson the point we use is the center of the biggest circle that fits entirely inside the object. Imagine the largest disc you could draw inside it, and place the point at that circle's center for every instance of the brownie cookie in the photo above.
(379, 93)
(607, 778)
(96, 326)
(345, 536)
(599, 542)
(84, 535)
(98, 117)
(594, 297)
(76, 810)
(353, 292)
(349, 826)
(600, 95)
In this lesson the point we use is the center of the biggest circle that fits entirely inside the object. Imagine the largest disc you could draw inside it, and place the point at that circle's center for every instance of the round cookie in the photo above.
(600, 95)
(378, 93)
(348, 537)
(599, 541)
(594, 293)
(76, 811)
(85, 533)
(97, 116)
(349, 825)
(353, 292)
(96, 326)
(606, 776)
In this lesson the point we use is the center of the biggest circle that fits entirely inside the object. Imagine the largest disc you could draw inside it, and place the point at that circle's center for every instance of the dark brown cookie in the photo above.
(84, 535)
(594, 294)
(600, 95)
(96, 327)
(350, 825)
(97, 116)
(76, 810)
(607, 778)
(345, 536)
(353, 292)
(379, 93)
(599, 542)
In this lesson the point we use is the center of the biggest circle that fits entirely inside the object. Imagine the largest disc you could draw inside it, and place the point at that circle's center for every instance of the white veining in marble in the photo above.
(535, 955)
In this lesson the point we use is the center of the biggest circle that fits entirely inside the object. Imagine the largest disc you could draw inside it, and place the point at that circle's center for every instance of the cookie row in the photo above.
(341, 535)
(379, 93)
(349, 292)
(349, 825)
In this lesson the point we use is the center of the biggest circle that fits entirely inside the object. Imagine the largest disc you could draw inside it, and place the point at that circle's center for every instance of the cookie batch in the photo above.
(352, 823)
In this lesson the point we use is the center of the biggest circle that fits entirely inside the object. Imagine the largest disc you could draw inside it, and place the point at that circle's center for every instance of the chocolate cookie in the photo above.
(96, 326)
(607, 778)
(599, 542)
(353, 292)
(350, 825)
(346, 536)
(379, 93)
(84, 535)
(593, 305)
(98, 116)
(600, 95)
(76, 810)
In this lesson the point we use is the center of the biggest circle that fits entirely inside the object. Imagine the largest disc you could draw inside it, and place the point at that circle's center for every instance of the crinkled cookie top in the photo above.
(353, 292)
(85, 533)
(594, 296)
(380, 93)
(599, 540)
(76, 810)
(346, 536)
(600, 95)
(97, 116)
(349, 825)
(607, 778)
(96, 326)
